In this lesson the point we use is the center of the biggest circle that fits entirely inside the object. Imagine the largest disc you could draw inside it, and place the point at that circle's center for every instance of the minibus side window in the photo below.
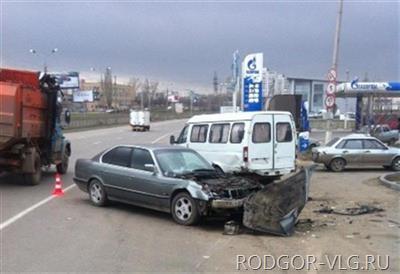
(219, 133)
(283, 132)
(261, 133)
(237, 133)
(199, 134)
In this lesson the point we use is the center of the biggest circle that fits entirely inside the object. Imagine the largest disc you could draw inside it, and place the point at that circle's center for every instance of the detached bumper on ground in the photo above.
(276, 207)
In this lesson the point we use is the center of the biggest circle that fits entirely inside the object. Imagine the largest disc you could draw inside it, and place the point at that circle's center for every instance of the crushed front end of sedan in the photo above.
(272, 208)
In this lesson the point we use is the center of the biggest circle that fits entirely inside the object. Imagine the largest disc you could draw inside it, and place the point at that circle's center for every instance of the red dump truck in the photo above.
(30, 129)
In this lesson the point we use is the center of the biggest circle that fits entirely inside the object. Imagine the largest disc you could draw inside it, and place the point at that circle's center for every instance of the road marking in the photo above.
(48, 199)
(97, 143)
(31, 208)
(160, 138)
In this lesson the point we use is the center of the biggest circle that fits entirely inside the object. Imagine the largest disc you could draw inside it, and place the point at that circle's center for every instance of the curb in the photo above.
(388, 183)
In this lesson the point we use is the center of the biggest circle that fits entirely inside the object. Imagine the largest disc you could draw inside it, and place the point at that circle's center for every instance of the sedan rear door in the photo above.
(115, 171)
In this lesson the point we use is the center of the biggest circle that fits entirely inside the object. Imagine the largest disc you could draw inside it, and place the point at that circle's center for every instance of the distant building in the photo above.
(123, 95)
(312, 90)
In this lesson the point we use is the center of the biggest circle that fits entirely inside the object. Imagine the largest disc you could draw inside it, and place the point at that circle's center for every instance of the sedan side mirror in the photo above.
(172, 139)
(150, 167)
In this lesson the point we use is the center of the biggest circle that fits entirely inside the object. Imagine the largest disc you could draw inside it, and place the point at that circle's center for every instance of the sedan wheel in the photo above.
(337, 165)
(396, 164)
(97, 194)
(184, 209)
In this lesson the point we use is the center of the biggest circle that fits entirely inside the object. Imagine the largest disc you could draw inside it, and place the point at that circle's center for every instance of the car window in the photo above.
(283, 132)
(237, 133)
(183, 136)
(261, 133)
(373, 144)
(140, 158)
(353, 144)
(120, 156)
(385, 129)
(199, 134)
(219, 133)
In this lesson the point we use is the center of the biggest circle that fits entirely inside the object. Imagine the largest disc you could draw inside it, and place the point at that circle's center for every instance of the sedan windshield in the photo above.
(332, 142)
(178, 162)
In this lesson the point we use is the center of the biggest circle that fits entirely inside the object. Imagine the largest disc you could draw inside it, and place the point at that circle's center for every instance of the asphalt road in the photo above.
(68, 234)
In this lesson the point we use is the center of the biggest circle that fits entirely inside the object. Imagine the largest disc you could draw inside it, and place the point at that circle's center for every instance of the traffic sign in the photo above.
(330, 89)
(332, 75)
(330, 101)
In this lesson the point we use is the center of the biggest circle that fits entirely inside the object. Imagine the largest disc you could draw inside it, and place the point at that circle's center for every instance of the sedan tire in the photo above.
(337, 165)
(396, 164)
(97, 193)
(184, 209)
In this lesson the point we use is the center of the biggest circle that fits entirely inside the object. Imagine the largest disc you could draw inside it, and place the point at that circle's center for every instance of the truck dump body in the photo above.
(22, 107)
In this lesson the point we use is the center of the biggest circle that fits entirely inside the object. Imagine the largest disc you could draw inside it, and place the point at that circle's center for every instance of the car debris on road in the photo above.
(351, 211)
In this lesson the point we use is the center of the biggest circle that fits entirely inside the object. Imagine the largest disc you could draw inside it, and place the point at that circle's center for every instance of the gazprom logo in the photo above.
(363, 86)
(251, 64)
(354, 84)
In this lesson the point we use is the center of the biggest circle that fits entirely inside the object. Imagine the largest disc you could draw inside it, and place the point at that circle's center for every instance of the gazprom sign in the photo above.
(252, 82)
(368, 87)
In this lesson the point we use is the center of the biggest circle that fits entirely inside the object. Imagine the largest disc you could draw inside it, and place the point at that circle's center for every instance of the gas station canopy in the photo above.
(381, 89)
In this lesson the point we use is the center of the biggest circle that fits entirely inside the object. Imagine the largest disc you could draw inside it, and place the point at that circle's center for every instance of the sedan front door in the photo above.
(375, 153)
(352, 152)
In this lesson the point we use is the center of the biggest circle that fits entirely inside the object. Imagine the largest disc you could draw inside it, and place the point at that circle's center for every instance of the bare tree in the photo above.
(144, 93)
(107, 86)
(134, 84)
(153, 89)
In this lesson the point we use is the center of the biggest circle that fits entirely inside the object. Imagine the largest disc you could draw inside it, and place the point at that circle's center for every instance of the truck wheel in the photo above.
(63, 166)
(35, 177)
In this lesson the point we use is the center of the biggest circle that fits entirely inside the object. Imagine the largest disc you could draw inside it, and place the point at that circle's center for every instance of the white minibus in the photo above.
(259, 142)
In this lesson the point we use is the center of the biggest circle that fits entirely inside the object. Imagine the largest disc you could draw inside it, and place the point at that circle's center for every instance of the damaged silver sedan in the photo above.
(181, 182)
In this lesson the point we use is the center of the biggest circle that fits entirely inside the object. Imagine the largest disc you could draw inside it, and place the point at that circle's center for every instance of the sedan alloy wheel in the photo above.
(97, 194)
(184, 209)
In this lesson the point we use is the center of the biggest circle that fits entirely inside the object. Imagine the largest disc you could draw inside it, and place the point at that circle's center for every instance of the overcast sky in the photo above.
(186, 42)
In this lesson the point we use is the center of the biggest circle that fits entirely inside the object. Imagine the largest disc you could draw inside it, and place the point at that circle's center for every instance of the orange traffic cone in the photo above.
(58, 191)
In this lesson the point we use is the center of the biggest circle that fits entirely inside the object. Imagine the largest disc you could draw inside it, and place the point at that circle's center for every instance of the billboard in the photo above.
(68, 80)
(81, 96)
(252, 68)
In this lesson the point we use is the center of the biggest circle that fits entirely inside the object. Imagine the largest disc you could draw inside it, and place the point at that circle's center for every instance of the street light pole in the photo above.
(34, 52)
(328, 132)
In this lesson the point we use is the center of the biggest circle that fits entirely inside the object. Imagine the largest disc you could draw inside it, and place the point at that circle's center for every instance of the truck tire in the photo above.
(35, 177)
(63, 166)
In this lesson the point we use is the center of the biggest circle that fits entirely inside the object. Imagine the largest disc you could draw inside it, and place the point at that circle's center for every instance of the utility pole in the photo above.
(328, 133)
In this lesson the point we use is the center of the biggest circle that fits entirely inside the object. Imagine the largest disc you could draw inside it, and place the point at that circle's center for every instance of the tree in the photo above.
(134, 84)
(144, 93)
(215, 82)
(153, 89)
(107, 87)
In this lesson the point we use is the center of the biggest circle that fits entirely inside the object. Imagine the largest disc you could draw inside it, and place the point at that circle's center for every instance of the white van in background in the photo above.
(262, 142)
(139, 120)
